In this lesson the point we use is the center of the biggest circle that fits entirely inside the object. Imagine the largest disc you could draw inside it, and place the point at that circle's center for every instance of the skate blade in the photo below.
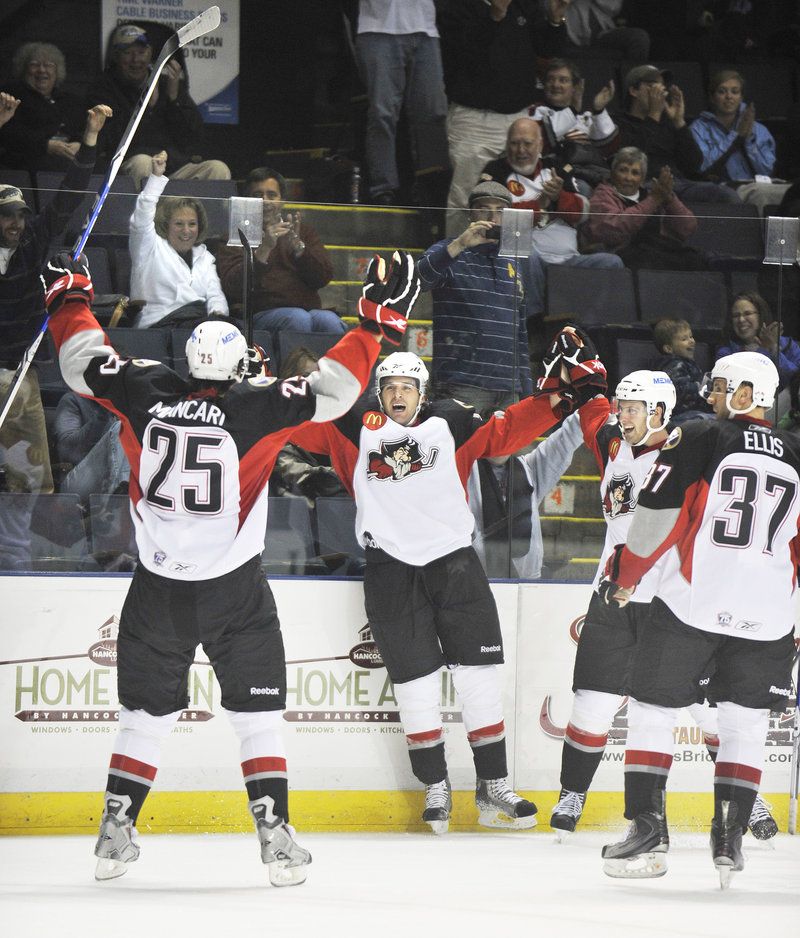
(562, 836)
(109, 869)
(497, 820)
(640, 866)
(281, 874)
(439, 827)
(726, 868)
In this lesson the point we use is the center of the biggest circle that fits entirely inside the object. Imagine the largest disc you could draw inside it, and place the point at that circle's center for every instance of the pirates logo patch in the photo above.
(398, 459)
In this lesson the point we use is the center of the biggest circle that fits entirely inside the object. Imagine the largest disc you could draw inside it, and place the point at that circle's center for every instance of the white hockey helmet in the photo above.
(653, 388)
(402, 365)
(751, 368)
(216, 351)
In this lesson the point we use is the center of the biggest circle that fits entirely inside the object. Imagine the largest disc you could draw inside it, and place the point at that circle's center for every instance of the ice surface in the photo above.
(410, 885)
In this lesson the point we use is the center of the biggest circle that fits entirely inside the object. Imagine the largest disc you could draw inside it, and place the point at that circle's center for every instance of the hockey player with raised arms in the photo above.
(201, 450)
(720, 505)
(427, 598)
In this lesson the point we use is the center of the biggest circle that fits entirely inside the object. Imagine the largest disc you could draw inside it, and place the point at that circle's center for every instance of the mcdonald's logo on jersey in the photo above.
(374, 420)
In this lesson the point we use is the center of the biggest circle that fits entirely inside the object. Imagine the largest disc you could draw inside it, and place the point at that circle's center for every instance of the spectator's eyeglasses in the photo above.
(50, 66)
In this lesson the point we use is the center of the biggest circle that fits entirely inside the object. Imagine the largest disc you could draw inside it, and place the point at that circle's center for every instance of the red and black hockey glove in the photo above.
(609, 589)
(388, 298)
(257, 363)
(64, 278)
(572, 369)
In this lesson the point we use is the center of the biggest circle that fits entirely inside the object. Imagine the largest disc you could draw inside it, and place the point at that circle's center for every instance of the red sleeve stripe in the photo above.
(487, 733)
(645, 760)
(733, 772)
(132, 768)
(424, 740)
(587, 742)
(264, 765)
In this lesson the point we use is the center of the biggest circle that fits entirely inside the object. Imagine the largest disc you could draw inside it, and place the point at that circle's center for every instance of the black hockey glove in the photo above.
(257, 363)
(64, 278)
(609, 590)
(387, 299)
(572, 369)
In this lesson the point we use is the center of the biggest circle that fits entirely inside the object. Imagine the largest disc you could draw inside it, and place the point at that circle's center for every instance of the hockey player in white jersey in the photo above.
(625, 445)
(427, 597)
(720, 506)
(200, 452)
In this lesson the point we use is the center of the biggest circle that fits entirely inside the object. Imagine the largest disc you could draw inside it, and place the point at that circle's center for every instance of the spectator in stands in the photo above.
(674, 340)
(49, 122)
(582, 138)
(86, 440)
(655, 122)
(171, 121)
(550, 191)
(490, 52)
(296, 471)
(529, 479)
(171, 269)
(397, 47)
(601, 25)
(736, 148)
(750, 327)
(8, 107)
(480, 340)
(25, 241)
(645, 228)
(290, 265)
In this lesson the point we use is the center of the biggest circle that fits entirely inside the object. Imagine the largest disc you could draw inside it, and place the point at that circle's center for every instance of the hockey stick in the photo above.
(247, 287)
(794, 767)
(209, 19)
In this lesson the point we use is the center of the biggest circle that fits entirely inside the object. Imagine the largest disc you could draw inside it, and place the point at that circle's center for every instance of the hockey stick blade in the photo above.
(203, 23)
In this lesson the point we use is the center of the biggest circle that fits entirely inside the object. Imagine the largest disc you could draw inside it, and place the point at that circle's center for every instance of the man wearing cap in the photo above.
(25, 241)
(480, 340)
(172, 121)
(655, 122)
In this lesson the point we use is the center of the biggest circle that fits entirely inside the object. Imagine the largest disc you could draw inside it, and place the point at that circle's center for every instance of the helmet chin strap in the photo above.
(420, 402)
(732, 411)
(650, 430)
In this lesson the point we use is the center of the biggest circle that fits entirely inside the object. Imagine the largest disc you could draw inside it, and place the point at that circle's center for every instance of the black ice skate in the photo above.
(762, 824)
(501, 807)
(567, 812)
(438, 805)
(286, 860)
(642, 853)
(726, 843)
(116, 843)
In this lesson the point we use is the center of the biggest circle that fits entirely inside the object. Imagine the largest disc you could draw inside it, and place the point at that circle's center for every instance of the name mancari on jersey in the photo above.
(200, 461)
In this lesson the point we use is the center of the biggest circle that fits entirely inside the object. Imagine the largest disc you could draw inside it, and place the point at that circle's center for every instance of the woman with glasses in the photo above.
(751, 327)
(47, 127)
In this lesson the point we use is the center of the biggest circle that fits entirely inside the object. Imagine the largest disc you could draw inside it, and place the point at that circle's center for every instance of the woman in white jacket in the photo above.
(170, 268)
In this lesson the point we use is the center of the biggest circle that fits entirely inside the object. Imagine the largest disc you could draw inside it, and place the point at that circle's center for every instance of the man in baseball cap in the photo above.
(655, 122)
(12, 201)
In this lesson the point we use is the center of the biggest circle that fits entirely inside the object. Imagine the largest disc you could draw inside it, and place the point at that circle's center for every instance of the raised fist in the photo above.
(388, 298)
(63, 278)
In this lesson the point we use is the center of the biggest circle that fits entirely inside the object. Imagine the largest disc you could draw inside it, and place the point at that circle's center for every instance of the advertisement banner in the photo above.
(212, 61)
